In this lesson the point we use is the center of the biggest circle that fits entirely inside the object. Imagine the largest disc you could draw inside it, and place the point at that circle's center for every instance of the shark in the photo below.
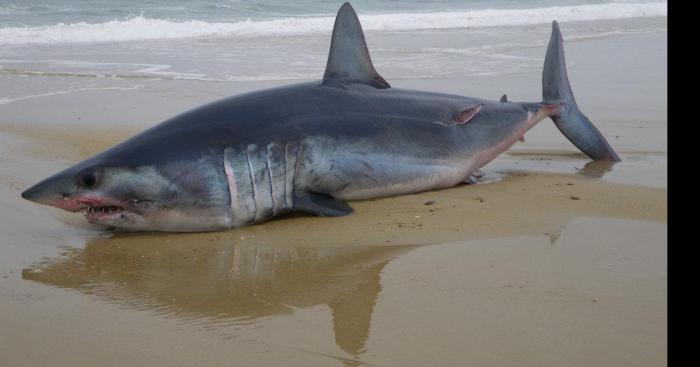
(310, 147)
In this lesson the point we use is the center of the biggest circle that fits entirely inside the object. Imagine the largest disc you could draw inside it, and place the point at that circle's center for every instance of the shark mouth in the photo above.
(102, 213)
(101, 209)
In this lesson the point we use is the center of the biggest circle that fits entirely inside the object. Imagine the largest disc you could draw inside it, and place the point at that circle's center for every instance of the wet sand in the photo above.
(553, 260)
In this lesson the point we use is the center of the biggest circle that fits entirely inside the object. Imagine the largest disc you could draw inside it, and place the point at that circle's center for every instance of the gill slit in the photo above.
(286, 189)
(228, 172)
(252, 179)
(269, 176)
(297, 164)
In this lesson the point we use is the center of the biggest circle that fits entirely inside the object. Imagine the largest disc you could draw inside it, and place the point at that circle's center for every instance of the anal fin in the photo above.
(321, 205)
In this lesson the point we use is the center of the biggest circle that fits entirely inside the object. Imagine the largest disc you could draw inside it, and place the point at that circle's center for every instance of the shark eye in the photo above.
(87, 179)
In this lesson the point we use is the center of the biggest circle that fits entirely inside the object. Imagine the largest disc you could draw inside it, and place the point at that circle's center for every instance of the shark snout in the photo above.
(53, 191)
(37, 193)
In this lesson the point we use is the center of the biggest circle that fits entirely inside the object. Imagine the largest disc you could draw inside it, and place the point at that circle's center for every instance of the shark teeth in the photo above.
(91, 210)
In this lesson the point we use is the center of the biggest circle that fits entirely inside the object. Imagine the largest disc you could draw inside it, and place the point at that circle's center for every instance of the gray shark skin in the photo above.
(308, 147)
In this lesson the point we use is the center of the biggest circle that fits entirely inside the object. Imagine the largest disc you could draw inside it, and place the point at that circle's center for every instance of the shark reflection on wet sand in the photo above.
(228, 282)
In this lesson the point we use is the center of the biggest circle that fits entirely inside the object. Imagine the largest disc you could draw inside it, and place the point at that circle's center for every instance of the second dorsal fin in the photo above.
(348, 58)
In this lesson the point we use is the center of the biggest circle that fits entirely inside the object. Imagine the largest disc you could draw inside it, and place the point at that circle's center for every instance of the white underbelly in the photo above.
(405, 177)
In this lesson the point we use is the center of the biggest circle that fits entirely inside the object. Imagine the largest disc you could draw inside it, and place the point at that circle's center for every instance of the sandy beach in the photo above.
(552, 260)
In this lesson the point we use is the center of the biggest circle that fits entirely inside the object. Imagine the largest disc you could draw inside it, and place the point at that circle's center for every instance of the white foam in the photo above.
(143, 28)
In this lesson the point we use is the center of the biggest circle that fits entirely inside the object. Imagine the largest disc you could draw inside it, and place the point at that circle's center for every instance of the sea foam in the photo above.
(143, 28)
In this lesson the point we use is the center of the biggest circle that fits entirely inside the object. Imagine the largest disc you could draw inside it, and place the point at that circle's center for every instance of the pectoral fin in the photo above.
(321, 205)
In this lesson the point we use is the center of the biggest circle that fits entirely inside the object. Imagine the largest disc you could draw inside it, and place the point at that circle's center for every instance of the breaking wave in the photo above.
(143, 28)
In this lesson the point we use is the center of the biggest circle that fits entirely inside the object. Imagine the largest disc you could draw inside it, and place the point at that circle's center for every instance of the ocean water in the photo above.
(55, 21)
(64, 51)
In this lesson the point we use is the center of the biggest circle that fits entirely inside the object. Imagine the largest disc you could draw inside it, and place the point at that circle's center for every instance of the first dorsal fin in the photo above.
(348, 59)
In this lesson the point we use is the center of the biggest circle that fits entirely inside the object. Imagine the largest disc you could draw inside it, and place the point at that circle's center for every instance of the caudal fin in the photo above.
(569, 119)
